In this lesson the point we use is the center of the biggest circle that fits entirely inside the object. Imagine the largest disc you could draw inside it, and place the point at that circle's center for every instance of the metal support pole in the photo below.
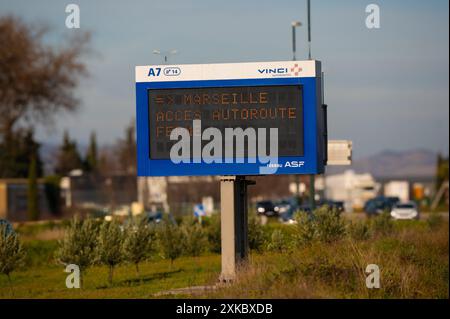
(234, 224)
(294, 49)
(309, 29)
(297, 189)
(312, 192)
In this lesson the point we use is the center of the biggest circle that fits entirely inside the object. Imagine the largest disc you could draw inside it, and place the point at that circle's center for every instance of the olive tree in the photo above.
(139, 242)
(195, 238)
(171, 240)
(79, 244)
(109, 249)
(11, 252)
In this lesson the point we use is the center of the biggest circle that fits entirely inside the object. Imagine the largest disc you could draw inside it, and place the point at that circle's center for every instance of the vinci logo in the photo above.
(295, 70)
(274, 71)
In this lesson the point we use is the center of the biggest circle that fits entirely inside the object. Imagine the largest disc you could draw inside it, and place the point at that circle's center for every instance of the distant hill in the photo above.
(391, 164)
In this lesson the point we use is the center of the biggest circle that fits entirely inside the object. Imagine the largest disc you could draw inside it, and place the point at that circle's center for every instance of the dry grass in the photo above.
(413, 262)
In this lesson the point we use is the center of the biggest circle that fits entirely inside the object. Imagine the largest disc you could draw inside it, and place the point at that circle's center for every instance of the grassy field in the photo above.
(412, 256)
(48, 281)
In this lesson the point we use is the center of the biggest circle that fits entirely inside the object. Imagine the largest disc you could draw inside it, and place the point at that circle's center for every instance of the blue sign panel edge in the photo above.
(312, 160)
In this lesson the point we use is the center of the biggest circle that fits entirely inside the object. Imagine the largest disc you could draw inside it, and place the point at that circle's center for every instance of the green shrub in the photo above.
(255, 233)
(79, 244)
(213, 232)
(330, 226)
(109, 249)
(277, 241)
(382, 224)
(324, 225)
(195, 240)
(139, 241)
(359, 230)
(12, 254)
(171, 240)
(305, 229)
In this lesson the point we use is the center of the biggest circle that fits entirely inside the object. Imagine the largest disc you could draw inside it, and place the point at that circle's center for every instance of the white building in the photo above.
(351, 188)
(398, 189)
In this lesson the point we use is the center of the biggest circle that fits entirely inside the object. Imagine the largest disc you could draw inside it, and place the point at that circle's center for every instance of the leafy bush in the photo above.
(79, 244)
(382, 224)
(359, 230)
(213, 232)
(139, 241)
(195, 240)
(324, 225)
(12, 254)
(171, 240)
(306, 229)
(329, 224)
(109, 249)
(255, 233)
(277, 241)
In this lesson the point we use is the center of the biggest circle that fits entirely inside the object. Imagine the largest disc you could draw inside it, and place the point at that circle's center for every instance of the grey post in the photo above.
(234, 224)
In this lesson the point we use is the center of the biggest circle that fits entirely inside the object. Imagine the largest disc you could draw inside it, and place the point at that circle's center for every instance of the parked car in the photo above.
(379, 205)
(406, 210)
(155, 216)
(266, 208)
(286, 205)
(7, 224)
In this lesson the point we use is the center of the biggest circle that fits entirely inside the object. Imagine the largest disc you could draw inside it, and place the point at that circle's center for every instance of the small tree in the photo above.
(78, 245)
(33, 191)
(329, 224)
(68, 157)
(195, 240)
(306, 230)
(91, 160)
(139, 242)
(213, 233)
(11, 252)
(109, 249)
(255, 233)
(324, 224)
(171, 240)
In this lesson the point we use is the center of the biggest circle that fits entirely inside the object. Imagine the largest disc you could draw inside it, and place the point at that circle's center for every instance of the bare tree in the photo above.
(36, 79)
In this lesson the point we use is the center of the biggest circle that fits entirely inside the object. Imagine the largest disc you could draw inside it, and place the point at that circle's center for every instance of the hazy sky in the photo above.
(386, 88)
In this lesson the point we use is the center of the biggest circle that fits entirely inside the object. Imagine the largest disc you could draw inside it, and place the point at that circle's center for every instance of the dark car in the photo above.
(286, 205)
(7, 224)
(379, 205)
(266, 208)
